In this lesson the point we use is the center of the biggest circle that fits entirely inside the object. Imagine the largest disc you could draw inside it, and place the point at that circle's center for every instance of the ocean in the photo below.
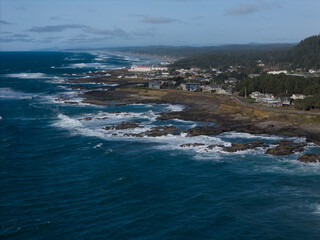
(62, 176)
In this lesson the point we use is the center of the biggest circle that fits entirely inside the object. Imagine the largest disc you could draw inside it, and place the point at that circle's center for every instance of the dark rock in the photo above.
(124, 125)
(191, 145)
(243, 146)
(204, 130)
(102, 118)
(309, 158)
(85, 119)
(162, 131)
(214, 145)
(286, 148)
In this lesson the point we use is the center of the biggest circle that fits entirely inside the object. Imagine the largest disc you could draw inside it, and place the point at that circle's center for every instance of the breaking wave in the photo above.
(9, 93)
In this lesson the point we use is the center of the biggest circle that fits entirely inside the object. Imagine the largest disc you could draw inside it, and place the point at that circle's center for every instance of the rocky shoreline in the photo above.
(225, 113)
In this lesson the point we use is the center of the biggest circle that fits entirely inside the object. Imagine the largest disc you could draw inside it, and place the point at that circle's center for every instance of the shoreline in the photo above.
(226, 113)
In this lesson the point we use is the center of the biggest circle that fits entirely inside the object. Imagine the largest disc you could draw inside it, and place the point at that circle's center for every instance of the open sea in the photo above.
(62, 176)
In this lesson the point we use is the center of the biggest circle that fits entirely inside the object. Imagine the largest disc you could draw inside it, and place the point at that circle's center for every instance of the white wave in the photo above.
(89, 65)
(67, 122)
(9, 93)
(99, 145)
(28, 75)
(237, 135)
(175, 107)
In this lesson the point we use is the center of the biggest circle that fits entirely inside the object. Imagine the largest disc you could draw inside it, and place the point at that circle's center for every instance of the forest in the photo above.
(284, 85)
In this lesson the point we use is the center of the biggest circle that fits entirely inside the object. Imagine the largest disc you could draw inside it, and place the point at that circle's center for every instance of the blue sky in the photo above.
(34, 24)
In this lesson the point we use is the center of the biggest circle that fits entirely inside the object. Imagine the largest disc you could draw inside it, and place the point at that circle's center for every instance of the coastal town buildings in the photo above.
(147, 69)
(278, 72)
(297, 96)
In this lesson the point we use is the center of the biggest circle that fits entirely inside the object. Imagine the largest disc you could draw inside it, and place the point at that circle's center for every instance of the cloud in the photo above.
(155, 20)
(116, 32)
(55, 28)
(21, 8)
(16, 38)
(4, 22)
(249, 7)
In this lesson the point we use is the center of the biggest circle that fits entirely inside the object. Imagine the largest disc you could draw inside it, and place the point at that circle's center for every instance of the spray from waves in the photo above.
(92, 66)
(238, 135)
(28, 75)
(9, 93)
(175, 108)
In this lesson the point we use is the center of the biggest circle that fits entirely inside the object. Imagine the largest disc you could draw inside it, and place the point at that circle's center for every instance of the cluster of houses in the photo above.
(271, 101)
(200, 80)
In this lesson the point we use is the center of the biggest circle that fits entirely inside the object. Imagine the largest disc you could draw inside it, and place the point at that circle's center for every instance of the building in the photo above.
(278, 72)
(192, 86)
(253, 75)
(297, 96)
(285, 101)
(206, 88)
(271, 102)
(255, 95)
(147, 69)
(155, 84)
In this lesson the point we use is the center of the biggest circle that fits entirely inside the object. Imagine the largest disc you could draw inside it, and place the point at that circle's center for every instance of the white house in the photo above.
(147, 69)
(297, 96)
(278, 72)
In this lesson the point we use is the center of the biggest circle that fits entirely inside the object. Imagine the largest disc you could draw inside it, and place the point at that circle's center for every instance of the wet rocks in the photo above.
(286, 148)
(162, 131)
(85, 119)
(157, 132)
(214, 146)
(243, 146)
(124, 125)
(309, 158)
(191, 145)
(204, 130)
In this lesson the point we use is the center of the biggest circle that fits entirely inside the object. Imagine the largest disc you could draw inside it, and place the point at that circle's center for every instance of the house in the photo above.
(232, 81)
(218, 89)
(147, 69)
(253, 75)
(278, 72)
(297, 96)
(206, 88)
(256, 95)
(155, 84)
(285, 101)
(192, 86)
(271, 102)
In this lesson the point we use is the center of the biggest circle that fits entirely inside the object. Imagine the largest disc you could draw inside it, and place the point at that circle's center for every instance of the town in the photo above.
(221, 81)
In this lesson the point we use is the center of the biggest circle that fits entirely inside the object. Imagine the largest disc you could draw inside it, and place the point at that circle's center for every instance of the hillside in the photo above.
(306, 54)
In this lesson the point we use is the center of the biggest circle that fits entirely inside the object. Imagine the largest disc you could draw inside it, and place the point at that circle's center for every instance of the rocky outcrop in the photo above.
(191, 145)
(124, 125)
(286, 148)
(157, 132)
(244, 146)
(204, 130)
(214, 146)
(309, 158)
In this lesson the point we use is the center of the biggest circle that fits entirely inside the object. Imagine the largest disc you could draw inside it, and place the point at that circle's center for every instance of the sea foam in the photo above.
(28, 75)
(9, 93)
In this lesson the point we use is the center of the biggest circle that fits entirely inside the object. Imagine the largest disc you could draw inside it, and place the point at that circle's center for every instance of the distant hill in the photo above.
(306, 54)
(187, 51)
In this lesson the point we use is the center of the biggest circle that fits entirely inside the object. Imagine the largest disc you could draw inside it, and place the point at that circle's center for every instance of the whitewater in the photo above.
(64, 175)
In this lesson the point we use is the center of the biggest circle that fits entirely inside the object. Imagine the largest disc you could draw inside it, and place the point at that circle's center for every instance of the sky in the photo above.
(63, 24)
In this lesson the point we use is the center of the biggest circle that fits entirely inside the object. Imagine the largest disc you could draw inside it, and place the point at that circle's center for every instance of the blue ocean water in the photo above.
(64, 177)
